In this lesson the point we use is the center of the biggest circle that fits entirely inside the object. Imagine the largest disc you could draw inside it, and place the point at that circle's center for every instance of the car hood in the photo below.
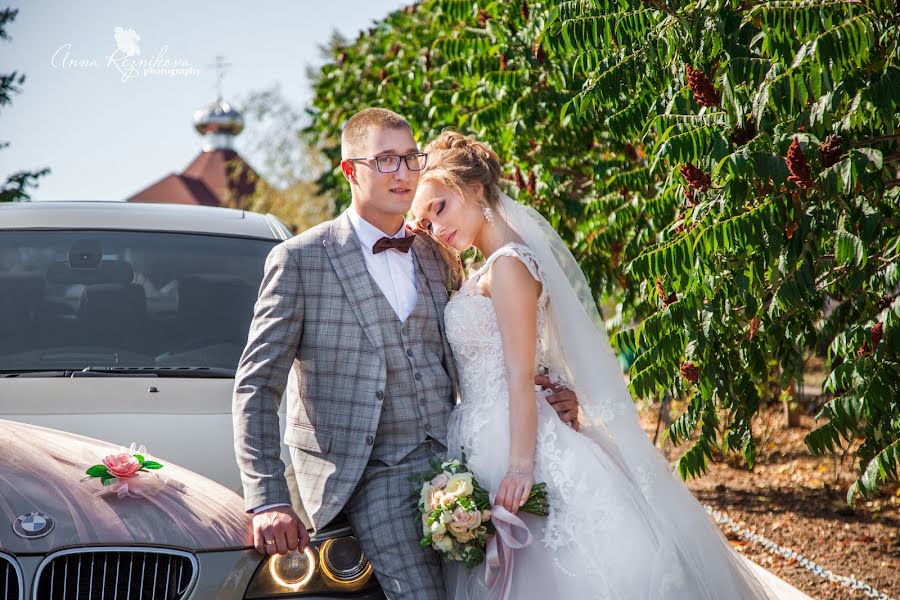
(42, 470)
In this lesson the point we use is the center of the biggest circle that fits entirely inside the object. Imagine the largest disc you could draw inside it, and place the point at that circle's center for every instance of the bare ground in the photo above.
(799, 501)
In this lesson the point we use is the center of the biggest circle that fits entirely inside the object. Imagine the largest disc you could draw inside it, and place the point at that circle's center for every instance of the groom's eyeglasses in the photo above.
(390, 163)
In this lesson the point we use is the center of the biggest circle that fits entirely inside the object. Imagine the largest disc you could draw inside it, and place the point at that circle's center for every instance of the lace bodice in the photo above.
(479, 423)
(474, 334)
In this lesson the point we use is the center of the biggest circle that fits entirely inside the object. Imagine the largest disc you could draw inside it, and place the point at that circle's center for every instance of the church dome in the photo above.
(218, 117)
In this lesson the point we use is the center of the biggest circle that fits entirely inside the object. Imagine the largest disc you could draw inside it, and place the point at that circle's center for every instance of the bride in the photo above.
(621, 525)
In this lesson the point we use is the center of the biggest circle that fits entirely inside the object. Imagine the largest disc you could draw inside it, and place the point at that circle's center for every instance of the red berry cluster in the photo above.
(877, 333)
(532, 183)
(830, 150)
(538, 52)
(754, 327)
(661, 292)
(616, 248)
(630, 153)
(690, 372)
(518, 178)
(483, 18)
(742, 135)
(885, 302)
(704, 92)
(696, 178)
(798, 167)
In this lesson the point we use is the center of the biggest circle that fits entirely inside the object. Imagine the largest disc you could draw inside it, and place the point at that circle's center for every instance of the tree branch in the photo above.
(874, 140)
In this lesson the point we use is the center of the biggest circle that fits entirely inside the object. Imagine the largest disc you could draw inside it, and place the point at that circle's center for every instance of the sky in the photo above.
(105, 135)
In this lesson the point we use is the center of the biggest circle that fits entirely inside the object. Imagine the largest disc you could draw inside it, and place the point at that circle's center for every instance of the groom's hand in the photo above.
(278, 531)
(563, 400)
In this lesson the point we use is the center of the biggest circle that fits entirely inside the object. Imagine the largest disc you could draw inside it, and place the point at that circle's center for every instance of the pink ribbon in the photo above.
(499, 559)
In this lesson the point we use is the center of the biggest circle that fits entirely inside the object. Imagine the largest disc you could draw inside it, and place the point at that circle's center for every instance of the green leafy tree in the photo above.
(725, 172)
(290, 164)
(16, 187)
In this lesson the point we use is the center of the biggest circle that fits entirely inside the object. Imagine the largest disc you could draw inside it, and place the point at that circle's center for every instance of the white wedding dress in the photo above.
(604, 538)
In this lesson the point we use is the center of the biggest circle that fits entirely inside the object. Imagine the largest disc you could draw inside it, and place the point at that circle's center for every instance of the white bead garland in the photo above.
(851, 582)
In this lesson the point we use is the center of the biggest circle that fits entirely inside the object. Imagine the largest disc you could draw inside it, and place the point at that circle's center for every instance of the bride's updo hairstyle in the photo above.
(459, 161)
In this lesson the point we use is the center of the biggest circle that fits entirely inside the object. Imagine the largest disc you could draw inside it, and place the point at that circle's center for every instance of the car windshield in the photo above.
(73, 300)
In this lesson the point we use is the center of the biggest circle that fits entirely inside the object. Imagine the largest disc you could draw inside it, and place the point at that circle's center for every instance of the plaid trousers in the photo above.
(384, 515)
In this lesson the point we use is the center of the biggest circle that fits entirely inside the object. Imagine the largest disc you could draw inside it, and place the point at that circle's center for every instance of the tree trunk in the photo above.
(791, 406)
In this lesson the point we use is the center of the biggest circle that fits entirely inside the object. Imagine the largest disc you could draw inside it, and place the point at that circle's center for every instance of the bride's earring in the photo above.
(488, 215)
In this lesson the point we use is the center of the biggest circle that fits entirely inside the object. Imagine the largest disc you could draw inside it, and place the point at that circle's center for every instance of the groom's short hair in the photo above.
(356, 130)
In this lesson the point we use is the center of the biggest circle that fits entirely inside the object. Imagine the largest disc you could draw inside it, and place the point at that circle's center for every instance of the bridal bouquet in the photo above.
(456, 515)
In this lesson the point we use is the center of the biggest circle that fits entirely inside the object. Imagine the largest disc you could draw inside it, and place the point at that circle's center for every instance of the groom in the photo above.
(350, 316)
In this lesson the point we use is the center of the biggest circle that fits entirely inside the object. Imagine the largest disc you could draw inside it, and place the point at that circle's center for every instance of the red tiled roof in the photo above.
(214, 178)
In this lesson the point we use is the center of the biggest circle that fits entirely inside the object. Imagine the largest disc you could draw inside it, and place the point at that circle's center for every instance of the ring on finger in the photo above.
(269, 542)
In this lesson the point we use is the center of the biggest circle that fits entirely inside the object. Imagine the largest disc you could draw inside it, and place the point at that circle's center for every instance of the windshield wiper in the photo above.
(34, 373)
(210, 372)
(185, 372)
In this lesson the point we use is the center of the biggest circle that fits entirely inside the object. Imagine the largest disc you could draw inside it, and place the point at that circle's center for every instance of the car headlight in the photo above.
(343, 563)
(295, 569)
(335, 564)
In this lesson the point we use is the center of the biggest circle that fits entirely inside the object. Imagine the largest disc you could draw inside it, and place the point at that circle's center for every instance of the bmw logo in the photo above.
(33, 525)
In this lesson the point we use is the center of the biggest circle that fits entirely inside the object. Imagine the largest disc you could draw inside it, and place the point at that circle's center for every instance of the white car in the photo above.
(125, 322)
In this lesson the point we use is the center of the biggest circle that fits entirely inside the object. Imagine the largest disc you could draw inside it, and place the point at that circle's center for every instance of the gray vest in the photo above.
(418, 395)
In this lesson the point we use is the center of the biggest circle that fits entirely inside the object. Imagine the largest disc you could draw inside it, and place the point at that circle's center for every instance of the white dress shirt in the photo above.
(394, 272)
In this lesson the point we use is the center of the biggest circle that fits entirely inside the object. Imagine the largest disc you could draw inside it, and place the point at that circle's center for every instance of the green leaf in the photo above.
(97, 471)
(848, 249)
(883, 467)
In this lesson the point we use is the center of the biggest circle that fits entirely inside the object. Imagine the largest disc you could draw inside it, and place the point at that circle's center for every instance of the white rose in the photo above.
(438, 528)
(459, 485)
(443, 499)
(442, 544)
(426, 494)
(433, 498)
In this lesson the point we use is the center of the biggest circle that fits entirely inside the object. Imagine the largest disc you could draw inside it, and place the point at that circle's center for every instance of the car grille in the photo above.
(10, 586)
(116, 574)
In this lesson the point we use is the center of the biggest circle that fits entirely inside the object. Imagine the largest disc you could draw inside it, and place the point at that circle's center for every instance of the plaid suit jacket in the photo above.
(314, 330)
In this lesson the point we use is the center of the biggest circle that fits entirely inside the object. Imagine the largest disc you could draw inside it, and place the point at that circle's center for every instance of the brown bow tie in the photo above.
(402, 244)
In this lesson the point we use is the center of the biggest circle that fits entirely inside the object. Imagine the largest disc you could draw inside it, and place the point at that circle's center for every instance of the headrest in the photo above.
(113, 302)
